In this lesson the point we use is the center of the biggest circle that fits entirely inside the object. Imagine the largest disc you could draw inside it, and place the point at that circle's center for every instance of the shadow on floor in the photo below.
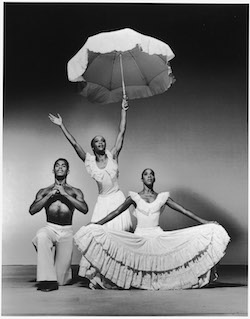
(223, 285)
(227, 277)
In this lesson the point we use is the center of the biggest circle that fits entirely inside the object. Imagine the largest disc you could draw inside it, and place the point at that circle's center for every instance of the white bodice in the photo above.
(148, 214)
(106, 178)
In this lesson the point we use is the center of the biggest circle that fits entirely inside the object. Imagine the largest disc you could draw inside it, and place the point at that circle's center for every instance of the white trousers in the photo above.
(54, 265)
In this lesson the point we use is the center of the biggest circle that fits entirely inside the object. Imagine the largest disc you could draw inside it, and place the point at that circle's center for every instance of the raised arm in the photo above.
(122, 129)
(125, 205)
(172, 204)
(58, 121)
(40, 201)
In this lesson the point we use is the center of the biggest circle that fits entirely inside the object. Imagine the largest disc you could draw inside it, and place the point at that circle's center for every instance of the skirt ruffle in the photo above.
(155, 259)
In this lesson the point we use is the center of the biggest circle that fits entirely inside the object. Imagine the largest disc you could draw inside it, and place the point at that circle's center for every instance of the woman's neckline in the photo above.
(148, 202)
(104, 166)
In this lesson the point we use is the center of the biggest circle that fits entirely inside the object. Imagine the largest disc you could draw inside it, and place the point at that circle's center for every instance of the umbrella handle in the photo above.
(123, 83)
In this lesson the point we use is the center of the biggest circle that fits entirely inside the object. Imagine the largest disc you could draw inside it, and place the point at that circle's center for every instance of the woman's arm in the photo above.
(125, 205)
(122, 129)
(171, 203)
(58, 121)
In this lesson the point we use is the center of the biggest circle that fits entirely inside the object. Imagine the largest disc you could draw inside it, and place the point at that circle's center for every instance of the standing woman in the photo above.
(103, 168)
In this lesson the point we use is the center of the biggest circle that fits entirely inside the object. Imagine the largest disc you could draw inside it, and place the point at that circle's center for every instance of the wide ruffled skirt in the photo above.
(108, 203)
(151, 258)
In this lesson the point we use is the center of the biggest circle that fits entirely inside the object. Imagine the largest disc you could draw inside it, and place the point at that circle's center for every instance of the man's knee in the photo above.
(41, 238)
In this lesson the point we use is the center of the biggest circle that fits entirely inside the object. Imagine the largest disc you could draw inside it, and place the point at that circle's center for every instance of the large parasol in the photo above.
(112, 65)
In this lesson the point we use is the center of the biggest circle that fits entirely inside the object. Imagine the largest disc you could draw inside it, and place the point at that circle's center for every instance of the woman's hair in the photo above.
(92, 142)
(146, 170)
(62, 159)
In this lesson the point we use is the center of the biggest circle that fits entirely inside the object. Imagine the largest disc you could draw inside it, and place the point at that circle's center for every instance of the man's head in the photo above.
(61, 168)
(98, 144)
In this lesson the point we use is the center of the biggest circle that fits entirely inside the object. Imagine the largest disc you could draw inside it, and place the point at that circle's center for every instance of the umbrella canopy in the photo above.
(112, 63)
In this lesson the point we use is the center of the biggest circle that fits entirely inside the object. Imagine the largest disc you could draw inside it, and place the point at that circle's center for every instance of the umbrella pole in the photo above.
(123, 83)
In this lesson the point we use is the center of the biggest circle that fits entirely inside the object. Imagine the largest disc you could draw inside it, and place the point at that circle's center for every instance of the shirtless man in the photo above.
(59, 200)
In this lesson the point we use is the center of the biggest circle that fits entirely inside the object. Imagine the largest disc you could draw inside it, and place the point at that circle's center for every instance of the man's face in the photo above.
(61, 169)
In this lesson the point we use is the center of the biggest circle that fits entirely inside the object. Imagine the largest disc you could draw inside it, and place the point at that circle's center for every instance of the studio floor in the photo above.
(20, 297)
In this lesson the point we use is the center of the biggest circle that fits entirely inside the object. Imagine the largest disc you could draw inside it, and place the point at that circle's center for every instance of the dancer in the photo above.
(103, 168)
(59, 200)
(151, 258)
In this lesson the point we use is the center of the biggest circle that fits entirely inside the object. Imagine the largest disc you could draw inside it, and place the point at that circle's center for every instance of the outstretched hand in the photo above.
(125, 105)
(90, 223)
(211, 222)
(214, 222)
(56, 120)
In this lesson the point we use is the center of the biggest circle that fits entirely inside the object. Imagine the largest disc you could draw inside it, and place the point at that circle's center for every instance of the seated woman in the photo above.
(151, 258)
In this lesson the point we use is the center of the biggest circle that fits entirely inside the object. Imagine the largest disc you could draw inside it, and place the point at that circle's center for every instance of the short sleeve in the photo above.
(88, 157)
(163, 198)
(89, 163)
(92, 169)
(134, 196)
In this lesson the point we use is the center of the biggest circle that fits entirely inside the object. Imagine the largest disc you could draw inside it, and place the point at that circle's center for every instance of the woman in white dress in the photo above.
(151, 258)
(103, 168)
